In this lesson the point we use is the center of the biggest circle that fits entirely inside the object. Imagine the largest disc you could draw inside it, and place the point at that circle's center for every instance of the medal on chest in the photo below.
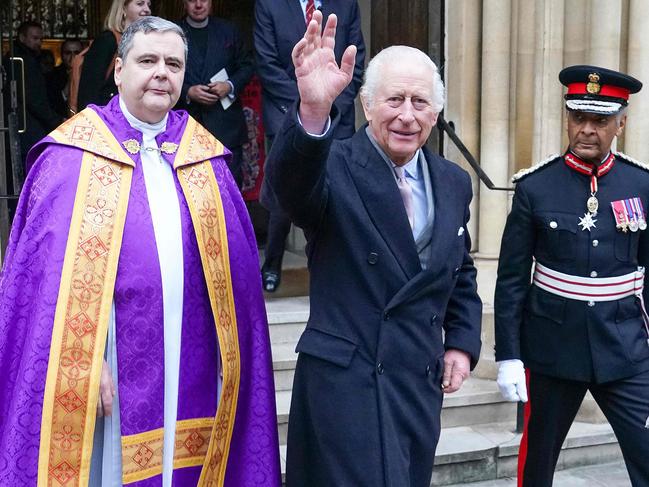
(629, 214)
(587, 222)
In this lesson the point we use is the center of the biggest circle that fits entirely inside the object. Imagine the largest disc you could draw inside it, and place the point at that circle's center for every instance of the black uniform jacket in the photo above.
(367, 396)
(557, 336)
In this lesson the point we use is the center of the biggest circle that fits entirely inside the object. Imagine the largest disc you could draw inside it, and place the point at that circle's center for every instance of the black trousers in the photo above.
(236, 165)
(554, 405)
(279, 225)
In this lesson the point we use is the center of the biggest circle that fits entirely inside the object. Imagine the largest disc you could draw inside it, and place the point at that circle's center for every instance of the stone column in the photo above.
(462, 88)
(576, 43)
(605, 27)
(635, 141)
(605, 34)
(548, 62)
(524, 110)
(576, 37)
(494, 135)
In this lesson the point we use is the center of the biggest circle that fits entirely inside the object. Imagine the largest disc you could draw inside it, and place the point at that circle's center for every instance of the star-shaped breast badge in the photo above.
(587, 222)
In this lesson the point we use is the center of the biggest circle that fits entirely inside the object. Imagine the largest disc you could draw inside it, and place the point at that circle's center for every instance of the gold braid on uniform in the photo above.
(633, 161)
(525, 172)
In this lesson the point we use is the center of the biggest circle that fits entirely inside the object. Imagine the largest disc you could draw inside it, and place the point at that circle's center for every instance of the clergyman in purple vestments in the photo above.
(134, 345)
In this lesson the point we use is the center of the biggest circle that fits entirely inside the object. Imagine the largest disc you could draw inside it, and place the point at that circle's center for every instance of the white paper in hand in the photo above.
(222, 75)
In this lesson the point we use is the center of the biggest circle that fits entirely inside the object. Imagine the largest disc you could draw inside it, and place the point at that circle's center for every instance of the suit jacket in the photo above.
(56, 82)
(279, 25)
(225, 49)
(564, 337)
(371, 357)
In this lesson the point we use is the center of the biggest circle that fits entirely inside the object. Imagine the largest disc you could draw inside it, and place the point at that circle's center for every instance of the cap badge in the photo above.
(593, 87)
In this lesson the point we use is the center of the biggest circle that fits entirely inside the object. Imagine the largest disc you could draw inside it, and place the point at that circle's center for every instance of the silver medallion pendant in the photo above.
(592, 204)
(633, 226)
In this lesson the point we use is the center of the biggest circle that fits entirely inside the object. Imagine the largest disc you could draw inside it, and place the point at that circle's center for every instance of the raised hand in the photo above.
(319, 78)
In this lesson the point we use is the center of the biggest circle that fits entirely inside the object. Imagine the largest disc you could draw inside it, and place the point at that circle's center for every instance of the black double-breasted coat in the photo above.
(367, 396)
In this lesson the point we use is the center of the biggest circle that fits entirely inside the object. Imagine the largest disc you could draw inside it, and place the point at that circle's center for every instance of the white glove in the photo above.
(511, 380)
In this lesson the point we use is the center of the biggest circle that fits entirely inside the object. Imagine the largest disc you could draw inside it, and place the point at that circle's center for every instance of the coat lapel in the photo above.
(378, 190)
(295, 18)
(327, 9)
(445, 200)
(443, 237)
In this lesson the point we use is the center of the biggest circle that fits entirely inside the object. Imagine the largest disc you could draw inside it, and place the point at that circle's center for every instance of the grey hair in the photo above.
(395, 55)
(620, 114)
(147, 25)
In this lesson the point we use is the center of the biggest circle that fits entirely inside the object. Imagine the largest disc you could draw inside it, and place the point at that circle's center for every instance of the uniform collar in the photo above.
(578, 164)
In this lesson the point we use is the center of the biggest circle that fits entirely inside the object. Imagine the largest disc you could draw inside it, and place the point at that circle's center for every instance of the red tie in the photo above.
(310, 8)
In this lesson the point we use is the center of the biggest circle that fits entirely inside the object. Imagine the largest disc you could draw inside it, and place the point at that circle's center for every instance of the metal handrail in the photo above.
(12, 88)
(443, 125)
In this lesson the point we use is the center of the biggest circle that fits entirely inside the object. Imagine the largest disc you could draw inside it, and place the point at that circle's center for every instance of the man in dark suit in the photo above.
(215, 44)
(58, 82)
(578, 322)
(41, 118)
(279, 24)
(395, 316)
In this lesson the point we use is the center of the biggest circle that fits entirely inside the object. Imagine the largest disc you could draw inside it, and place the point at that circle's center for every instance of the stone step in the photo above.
(287, 318)
(488, 452)
(477, 402)
(284, 360)
(598, 475)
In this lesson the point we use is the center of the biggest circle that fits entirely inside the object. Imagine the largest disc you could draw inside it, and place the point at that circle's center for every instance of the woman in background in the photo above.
(96, 84)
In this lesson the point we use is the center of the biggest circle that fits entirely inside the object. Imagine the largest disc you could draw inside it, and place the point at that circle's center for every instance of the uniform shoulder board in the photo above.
(633, 161)
(526, 172)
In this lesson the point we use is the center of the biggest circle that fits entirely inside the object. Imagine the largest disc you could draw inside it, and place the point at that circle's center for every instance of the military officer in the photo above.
(576, 320)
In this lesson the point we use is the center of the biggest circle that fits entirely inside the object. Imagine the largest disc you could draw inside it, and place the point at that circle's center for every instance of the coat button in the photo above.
(595, 243)
(593, 274)
(591, 303)
(379, 368)
(553, 224)
(433, 320)
(427, 370)
(372, 258)
(386, 316)
(456, 271)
